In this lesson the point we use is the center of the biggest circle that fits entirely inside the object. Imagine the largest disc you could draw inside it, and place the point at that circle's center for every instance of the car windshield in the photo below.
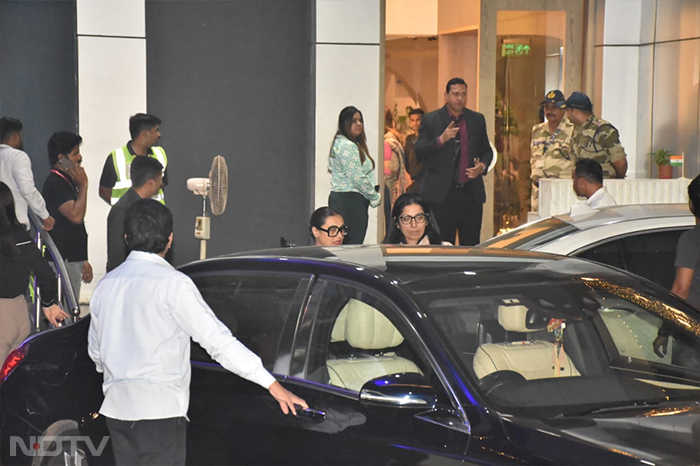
(567, 347)
(531, 235)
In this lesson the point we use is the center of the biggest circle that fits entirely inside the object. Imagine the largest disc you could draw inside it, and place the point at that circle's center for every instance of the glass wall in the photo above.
(529, 63)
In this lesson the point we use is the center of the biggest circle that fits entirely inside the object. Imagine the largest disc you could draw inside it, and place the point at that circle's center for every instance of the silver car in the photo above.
(639, 238)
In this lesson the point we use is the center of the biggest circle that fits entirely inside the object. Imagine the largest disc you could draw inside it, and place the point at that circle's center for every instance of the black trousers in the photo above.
(155, 442)
(353, 207)
(460, 211)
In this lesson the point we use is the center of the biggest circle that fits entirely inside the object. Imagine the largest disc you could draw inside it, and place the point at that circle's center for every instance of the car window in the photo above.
(355, 337)
(648, 254)
(566, 347)
(634, 333)
(606, 253)
(256, 307)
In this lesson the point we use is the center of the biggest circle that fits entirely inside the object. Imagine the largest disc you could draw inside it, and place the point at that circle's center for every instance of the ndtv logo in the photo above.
(53, 445)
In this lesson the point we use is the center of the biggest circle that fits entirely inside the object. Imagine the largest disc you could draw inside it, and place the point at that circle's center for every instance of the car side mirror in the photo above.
(407, 390)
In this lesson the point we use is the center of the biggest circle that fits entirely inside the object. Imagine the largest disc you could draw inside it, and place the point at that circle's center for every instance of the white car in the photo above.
(639, 238)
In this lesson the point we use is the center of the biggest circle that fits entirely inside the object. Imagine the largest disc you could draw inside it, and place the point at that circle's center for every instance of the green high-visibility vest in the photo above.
(122, 159)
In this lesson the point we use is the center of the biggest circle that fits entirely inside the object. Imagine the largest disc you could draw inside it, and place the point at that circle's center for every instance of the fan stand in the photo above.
(202, 229)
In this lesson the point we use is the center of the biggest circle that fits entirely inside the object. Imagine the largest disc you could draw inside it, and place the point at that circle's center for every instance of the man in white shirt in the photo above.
(16, 172)
(143, 314)
(588, 183)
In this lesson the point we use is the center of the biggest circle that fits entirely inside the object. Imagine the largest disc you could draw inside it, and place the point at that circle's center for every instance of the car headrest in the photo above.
(338, 332)
(367, 328)
(515, 319)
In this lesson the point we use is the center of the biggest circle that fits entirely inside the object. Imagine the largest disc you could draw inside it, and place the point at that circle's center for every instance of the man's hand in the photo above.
(660, 345)
(286, 399)
(49, 222)
(86, 274)
(79, 176)
(449, 133)
(55, 314)
(477, 169)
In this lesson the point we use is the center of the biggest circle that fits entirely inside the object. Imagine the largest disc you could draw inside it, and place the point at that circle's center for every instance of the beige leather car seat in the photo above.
(367, 329)
(533, 359)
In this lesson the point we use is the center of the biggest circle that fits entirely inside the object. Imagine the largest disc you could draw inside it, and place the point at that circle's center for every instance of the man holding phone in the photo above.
(65, 191)
(454, 146)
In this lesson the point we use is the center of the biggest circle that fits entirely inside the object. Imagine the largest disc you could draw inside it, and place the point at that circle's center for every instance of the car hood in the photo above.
(667, 435)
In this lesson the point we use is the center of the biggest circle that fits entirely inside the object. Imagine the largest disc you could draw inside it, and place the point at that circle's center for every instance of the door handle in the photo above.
(313, 414)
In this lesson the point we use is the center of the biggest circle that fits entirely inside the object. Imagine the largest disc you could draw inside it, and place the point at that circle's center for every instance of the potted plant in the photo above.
(662, 158)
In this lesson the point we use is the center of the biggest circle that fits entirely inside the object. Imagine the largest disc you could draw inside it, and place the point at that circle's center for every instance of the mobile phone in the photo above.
(65, 163)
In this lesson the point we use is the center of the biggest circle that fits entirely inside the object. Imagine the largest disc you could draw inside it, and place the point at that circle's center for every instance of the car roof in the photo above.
(623, 213)
(410, 263)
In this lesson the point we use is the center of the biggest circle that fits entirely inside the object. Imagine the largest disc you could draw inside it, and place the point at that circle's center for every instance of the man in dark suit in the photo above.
(453, 144)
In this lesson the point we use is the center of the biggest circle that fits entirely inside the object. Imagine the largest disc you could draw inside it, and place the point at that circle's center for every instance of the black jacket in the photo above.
(440, 161)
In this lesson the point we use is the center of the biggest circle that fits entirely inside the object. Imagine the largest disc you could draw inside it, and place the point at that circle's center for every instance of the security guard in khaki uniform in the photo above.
(594, 138)
(549, 145)
(116, 179)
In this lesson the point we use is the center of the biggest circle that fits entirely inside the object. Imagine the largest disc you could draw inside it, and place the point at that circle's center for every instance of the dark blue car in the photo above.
(405, 355)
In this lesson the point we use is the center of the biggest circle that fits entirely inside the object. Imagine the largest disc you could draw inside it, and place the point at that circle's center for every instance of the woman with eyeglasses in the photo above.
(353, 187)
(327, 227)
(412, 222)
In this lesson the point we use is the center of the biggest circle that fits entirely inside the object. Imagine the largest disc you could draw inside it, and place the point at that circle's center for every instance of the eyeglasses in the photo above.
(419, 218)
(334, 230)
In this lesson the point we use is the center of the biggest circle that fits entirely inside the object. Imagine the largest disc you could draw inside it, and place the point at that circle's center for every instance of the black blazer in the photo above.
(440, 161)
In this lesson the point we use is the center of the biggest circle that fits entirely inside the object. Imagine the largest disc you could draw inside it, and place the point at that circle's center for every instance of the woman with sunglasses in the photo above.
(327, 227)
(412, 222)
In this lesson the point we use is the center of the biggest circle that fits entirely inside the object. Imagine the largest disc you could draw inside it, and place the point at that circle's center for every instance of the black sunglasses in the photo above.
(334, 230)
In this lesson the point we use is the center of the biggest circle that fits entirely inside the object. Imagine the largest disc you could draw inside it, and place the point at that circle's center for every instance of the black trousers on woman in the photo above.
(353, 207)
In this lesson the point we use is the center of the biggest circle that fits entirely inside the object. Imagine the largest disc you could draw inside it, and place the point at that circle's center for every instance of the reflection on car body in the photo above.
(410, 355)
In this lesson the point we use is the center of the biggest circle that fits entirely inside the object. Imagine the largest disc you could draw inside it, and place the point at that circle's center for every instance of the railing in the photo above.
(65, 290)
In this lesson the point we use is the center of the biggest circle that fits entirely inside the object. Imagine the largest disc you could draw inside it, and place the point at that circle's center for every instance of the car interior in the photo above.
(519, 352)
(370, 351)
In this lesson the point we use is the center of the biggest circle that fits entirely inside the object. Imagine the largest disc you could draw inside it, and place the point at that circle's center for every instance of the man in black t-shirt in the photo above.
(65, 191)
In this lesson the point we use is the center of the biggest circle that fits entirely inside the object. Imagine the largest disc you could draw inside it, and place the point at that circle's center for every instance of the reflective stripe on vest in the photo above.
(122, 159)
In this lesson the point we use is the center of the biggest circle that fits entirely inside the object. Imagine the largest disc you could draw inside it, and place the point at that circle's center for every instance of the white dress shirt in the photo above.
(600, 198)
(16, 172)
(143, 314)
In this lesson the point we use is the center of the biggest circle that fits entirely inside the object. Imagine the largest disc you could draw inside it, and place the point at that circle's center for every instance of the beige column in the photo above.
(112, 87)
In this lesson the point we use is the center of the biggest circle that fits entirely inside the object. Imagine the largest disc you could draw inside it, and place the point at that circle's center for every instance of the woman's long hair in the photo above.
(395, 236)
(8, 221)
(344, 125)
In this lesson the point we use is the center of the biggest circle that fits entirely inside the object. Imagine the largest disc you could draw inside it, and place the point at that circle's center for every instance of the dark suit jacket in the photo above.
(440, 161)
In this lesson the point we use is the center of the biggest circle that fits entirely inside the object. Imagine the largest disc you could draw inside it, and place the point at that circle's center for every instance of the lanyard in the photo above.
(56, 172)
(551, 140)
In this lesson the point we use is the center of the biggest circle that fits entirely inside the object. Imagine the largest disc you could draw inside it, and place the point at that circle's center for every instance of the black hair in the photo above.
(141, 122)
(590, 170)
(454, 82)
(395, 236)
(344, 125)
(8, 220)
(416, 111)
(147, 226)
(694, 195)
(144, 168)
(319, 217)
(8, 128)
(62, 142)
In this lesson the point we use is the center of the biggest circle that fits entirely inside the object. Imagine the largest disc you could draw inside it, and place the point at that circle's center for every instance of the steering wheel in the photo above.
(499, 378)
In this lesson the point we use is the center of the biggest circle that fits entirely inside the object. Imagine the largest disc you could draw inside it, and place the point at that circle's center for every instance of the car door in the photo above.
(232, 420)
(329, 367)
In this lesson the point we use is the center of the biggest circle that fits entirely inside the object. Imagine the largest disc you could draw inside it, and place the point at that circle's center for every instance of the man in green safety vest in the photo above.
(145, 133)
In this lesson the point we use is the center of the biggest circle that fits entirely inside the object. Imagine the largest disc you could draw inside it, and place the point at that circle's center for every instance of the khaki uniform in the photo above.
(549, 155)
(598, 140)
